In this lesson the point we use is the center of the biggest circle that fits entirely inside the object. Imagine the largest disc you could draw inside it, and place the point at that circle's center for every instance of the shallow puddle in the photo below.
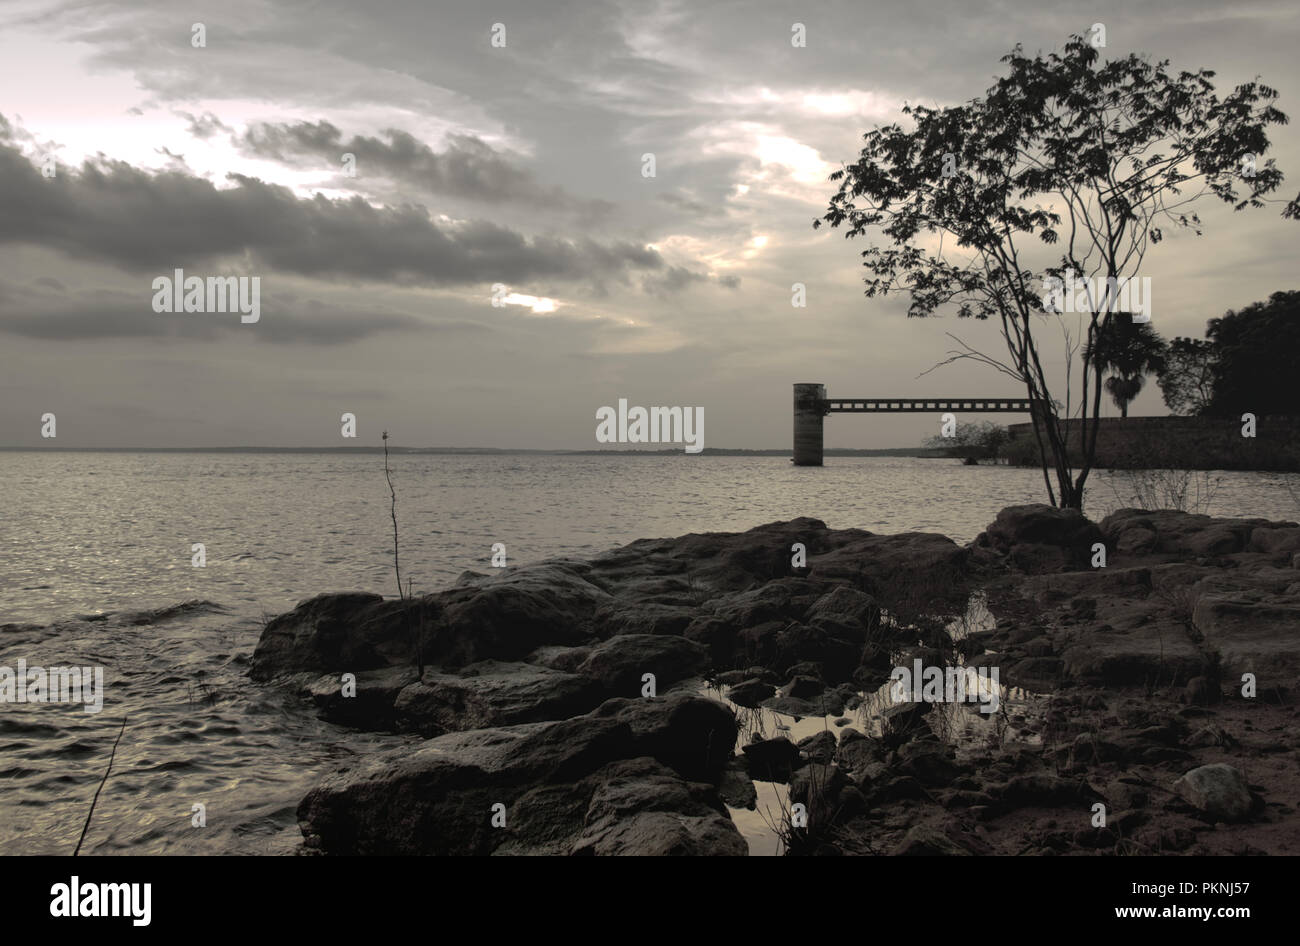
(961, 725)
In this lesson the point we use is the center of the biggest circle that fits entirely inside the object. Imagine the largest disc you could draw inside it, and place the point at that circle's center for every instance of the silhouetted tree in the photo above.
(1128, 351)
(1187, 377)
(1067, 150)
(1258, 351)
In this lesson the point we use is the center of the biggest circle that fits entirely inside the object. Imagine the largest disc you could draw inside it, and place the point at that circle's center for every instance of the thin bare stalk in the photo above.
(90, 814)
(388, 476)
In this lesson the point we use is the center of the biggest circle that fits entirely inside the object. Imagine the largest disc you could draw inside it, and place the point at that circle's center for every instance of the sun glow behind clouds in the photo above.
(540, 305)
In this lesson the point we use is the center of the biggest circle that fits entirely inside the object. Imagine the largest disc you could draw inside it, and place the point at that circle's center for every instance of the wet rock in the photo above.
(758, 644)
(827, 795)
(854, 755)
(645, 617)
(1187, 536)
(730, 678)
(819, 747)
(790, 706)
(566, 659)
(1275, 539)
(494, 693)
(318, 636)
(835, 658)
(783, 600)
(848, 608)
(877, 562)
(807, 668)
(737, 788)
(903, 721)
(804, 688)
(372, 706)
(502, 619)
(642, 808)
(1040, 538)
(772, 760)
(439, 798)
(1218, 791)
(750, 693)
(619, 663)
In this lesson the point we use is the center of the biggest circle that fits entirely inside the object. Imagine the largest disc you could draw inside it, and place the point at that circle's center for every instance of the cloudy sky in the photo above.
(517, 166)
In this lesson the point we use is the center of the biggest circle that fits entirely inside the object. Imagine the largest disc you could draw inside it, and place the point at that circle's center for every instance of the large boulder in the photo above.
(501, 619)
(1038, 538)
(346, 631)
(556, 783)
(643, 808)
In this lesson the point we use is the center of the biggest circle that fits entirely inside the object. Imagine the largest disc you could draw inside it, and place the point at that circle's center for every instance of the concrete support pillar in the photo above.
(808, 416)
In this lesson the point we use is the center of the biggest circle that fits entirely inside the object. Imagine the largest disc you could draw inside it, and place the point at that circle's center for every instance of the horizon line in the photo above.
(554, 451)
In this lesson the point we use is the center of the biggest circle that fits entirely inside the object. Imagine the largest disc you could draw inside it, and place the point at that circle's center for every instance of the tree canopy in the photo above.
(1079, 160)
(1258, 350)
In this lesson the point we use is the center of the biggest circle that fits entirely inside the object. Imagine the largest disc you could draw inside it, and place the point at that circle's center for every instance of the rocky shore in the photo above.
(630, 703)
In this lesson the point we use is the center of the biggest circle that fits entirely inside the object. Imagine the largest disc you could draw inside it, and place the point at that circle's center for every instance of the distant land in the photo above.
(924, 452)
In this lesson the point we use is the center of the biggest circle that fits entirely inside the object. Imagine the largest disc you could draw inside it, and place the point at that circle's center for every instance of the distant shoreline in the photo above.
(921, 452)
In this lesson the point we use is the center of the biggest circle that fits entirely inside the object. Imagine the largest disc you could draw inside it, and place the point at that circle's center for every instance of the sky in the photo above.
(512, 172)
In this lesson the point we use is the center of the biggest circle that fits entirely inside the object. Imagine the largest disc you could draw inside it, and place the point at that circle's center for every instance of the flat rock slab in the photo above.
(1259, 637)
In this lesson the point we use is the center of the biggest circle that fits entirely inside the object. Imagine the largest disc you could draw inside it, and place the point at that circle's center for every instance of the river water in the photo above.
(96, 552)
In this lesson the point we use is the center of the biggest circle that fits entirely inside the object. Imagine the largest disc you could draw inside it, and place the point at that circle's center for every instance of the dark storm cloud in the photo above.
(676, 278)
(143, 221)
(286, 319)
(468, 168)
(739, 120)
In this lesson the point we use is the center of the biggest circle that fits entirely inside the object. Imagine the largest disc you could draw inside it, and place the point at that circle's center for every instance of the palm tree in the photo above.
(1128, 351)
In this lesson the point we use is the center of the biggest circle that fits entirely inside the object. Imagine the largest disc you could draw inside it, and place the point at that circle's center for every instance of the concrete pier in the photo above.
(809, 412)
